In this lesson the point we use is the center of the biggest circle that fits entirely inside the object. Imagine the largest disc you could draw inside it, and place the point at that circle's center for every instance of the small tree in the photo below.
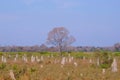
(106, 60)
(60, 38)
(117, 47)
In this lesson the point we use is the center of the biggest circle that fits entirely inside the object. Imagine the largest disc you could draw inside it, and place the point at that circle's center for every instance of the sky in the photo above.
(28, 22)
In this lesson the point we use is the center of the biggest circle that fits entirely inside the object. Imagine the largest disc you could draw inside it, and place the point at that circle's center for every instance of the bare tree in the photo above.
(43, 47)
(60, 38)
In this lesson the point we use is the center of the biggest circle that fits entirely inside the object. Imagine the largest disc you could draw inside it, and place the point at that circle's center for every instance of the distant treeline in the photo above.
(43, 48)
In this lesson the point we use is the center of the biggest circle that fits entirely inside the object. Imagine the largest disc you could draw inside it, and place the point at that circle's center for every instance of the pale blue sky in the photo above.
(91, 22)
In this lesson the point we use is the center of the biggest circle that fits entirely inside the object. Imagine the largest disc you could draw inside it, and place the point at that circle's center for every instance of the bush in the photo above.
(2, 66)
(32, 69)
(117, 53)
(105, 60)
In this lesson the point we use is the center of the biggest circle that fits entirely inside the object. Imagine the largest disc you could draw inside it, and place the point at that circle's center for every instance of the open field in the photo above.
(51, 66)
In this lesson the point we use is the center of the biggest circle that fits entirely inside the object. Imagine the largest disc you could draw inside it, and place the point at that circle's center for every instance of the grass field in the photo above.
(51, 66)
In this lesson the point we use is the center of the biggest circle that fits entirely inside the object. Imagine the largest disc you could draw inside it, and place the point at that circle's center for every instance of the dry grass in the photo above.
(55, 71)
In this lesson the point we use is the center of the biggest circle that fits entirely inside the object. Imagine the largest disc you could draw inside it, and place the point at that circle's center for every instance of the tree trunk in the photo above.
(60, 50)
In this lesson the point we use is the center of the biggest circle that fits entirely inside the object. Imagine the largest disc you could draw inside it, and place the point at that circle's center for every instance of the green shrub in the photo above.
(105, 66)
(32, 69)
(105, 60)
(2, 66)
(1, 53)
(116, 53)
(20, 71)
(15, 67)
